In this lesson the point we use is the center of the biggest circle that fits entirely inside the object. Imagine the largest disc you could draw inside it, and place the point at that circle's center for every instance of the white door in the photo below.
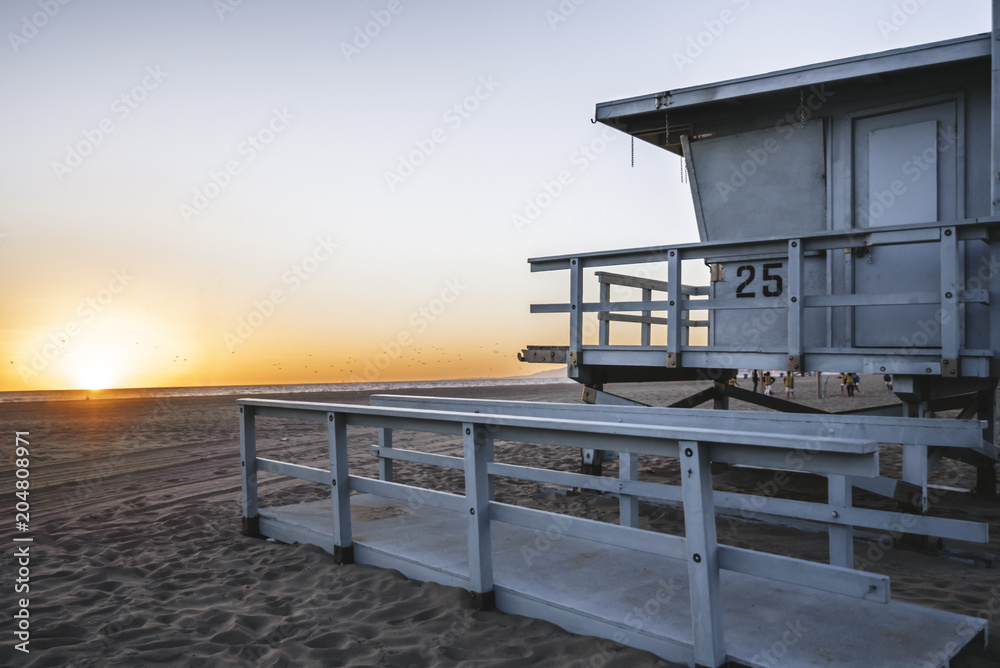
(905, 172)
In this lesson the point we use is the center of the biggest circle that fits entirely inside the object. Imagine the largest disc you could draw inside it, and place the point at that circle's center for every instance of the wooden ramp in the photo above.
(685, 598)
(634, 597)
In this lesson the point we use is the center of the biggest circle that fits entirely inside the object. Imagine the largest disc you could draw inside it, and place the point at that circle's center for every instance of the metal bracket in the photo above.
(949, 367)
(343, 555)
(573, 358)
(486, 600)
(251, 527)
(794, 363)
(717, 272)
(672, 361)
(589, 395)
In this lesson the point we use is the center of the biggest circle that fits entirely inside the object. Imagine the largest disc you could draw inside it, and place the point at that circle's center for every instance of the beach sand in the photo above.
(138, 559)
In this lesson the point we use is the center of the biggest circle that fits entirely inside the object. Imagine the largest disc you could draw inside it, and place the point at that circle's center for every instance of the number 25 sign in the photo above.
(770, 284)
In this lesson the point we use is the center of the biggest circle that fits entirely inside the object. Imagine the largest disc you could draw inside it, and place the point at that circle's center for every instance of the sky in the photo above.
(231, 192)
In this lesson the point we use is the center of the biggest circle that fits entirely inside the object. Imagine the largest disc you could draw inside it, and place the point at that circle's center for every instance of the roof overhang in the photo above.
(874, 64)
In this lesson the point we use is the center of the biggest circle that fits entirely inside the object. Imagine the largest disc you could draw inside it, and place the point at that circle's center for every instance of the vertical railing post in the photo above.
(986, 470)
(248, 471)
(951, 287)
(915, 468)
(604, 326)
(575, 318)
(628, 504)
(675, 329)
(340, 490)
(841, 536)
(647, 328)
(384, 463)
(478, 450)
(795, 306)
(703, 554)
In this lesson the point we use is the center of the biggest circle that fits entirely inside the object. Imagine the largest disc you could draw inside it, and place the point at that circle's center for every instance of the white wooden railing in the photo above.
(733, 438)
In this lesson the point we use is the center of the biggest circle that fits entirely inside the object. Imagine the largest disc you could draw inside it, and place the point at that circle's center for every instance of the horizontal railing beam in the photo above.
(882, 429)
(417, 457)
(750, 504)
(408, 494)
(309, 473)
(778, 246)
(810, 574)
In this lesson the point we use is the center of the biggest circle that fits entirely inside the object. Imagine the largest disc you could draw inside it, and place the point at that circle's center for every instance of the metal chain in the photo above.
(802, 108)
(633, 151)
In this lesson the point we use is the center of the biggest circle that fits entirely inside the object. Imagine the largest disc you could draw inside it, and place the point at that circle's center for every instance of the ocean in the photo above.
(250, 390)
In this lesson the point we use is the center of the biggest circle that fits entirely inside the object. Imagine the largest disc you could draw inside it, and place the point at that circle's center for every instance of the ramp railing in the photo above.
(774, 285)
(479, 425)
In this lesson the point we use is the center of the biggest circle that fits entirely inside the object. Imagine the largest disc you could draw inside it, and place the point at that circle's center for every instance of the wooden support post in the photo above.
(604, 326)
(628, 504)
(986, 472)
(575, 350)
(703, 558)
(995, 116)
(478, 446)
(248, 471)
(915, 459)
(340, 490)
(795, 306)
(950, 289)
(841, 537)
(647, 327)
(384, 463)
(675, 329)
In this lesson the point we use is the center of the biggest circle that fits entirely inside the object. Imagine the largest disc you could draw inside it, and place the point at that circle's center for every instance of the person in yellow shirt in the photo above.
(768, 382)
(789, 386)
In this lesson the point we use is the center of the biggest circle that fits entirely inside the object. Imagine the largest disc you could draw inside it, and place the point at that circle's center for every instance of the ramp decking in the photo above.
(632, 597)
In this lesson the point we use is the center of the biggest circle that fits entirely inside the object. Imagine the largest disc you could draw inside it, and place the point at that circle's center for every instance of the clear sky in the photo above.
(216, 192)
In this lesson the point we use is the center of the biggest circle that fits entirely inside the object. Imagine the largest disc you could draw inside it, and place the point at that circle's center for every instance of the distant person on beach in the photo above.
(857, 383)
(756, 379)
(843, 381)
(849, 378)
(789, 386)
(888, 382)
(768, 382)
(734, 382)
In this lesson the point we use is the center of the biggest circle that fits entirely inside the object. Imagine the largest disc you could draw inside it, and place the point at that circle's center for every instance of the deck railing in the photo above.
(736, 439)
(950, 359)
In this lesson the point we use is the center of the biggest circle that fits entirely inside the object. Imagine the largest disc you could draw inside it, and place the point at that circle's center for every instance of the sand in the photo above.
(138, 559)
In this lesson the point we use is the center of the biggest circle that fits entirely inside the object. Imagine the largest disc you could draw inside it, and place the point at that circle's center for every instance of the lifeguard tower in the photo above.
(848, 217)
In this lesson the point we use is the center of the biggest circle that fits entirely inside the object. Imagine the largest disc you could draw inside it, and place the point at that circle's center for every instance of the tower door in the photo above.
(905, 172)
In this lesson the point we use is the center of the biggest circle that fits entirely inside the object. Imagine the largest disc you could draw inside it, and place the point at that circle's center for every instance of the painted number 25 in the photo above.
(772, 282)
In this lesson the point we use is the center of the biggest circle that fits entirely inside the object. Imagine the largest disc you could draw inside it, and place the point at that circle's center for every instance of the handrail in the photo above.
(970, 228)
(696, 448)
